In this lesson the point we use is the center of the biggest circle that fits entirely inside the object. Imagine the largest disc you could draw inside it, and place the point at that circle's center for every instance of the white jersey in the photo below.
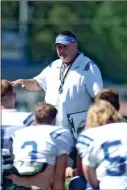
(40, 144)
(82, 82)
(14, 118)
(11, 120)
(105, 148)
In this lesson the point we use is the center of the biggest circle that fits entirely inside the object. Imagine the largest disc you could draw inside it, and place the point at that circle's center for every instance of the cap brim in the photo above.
(62, 42)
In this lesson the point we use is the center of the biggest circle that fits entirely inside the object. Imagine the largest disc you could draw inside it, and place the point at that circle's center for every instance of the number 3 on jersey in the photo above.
(33, 152)
(118, 161)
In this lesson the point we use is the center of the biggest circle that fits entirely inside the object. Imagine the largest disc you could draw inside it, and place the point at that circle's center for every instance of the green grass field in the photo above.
(67, 182)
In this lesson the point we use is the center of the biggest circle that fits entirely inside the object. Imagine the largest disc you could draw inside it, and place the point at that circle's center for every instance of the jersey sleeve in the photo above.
(64, 141)
(90, 159)
(83, 143)
(42, 78)
(29, 120)
(93, 78)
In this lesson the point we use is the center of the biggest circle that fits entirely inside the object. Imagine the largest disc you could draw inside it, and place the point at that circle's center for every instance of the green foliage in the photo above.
(9, 9)
(111, 21)
(110, 26)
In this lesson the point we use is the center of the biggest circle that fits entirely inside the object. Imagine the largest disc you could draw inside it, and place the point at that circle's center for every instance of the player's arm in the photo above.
(79, 165)
(90, 174)
(82, 144)
(77, 171)
(59, 178)
(85, 145)
(64, 142)
(41, 180)
(27, 84)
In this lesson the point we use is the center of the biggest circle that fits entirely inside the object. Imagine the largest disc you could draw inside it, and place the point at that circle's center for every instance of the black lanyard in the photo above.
(63, 79)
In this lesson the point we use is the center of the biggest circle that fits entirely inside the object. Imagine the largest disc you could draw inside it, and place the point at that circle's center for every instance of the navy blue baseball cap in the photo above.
(65, 40)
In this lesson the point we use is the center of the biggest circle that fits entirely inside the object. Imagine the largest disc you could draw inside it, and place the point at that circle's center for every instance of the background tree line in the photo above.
(101, 29)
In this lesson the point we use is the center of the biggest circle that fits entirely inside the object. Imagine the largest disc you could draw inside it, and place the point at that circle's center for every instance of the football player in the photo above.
(11, 120)
(42, 148)
(111, 96)
(103, 147)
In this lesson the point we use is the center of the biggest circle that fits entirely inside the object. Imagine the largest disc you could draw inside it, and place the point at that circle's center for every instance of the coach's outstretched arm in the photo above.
(30, 85)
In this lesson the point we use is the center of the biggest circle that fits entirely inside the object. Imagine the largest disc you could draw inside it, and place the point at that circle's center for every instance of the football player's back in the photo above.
(14, 117)
(111, 155)
(108, 151)
(11, 120)
(103, 147)
(37, 145)
(35, 138)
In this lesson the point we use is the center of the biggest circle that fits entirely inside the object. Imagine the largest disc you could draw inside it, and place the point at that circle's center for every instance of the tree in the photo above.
(110, 26)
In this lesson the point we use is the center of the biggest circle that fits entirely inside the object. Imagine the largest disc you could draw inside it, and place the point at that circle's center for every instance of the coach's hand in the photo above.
(30, 85)
(19, 82)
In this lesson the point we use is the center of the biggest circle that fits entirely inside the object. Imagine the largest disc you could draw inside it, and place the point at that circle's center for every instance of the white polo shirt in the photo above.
(82, 83)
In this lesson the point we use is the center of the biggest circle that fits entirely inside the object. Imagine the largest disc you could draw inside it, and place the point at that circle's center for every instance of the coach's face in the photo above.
(67, 53)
